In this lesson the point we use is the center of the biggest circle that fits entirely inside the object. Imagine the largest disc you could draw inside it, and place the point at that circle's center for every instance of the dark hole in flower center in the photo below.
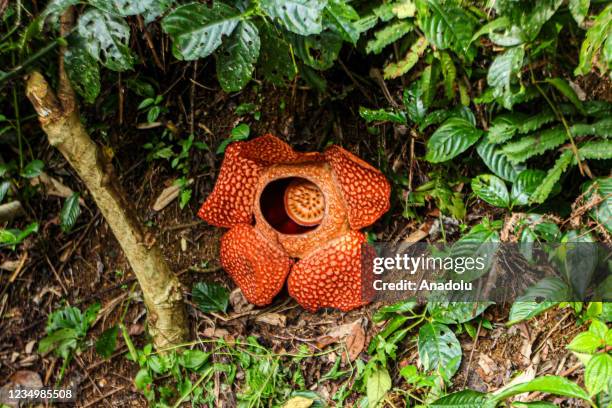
(292, 205)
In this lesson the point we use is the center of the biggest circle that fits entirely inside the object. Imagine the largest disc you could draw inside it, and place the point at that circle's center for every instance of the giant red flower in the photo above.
(296, 214)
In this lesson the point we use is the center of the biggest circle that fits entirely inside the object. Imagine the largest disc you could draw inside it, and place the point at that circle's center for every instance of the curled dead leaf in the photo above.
(298, 402)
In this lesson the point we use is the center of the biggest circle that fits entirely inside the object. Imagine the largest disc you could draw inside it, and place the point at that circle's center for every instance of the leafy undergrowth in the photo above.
(492, 121)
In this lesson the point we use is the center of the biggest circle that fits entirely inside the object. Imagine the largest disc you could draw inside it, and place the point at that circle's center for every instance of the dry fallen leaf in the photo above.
(298, 402)
(355, 341)
(168, 195)
(273, 319)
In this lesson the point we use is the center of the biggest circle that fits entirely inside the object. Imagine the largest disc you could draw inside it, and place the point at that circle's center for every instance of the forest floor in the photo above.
(87, 265)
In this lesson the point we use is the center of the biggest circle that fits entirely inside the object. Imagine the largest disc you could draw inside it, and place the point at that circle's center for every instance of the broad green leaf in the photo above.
(597, 327)
(503, 127)
(428, 82)
(210, 297)
(107, 342)
(377, 386)
(598, 373)
(504, 71)
(317, 51)
(491, 189)
(585, 342)
(341, 16)
(106, 38)
(552, 177)
(381, 115)
(193, 359)
(579, 9)
(451, 139)
(455, 312)
(497, 161)
(83, 71)
(414, 104)
(70, 212)
(399, 68)
(388, 35)
(237, 57)
(538, 298)
(54, 8)
(549, 384)
(596, 149)
(461, 399)
(303, 17)
(448, 26)
(123, 7)
(566, 90)
(197, 30)
(491, 26)
(439, 349)
(528, 146)
(275, 61)
(524, 186)
(594, 41)
(33, 169)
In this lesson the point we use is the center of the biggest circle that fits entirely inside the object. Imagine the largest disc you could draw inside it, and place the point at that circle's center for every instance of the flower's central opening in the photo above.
(292, 205)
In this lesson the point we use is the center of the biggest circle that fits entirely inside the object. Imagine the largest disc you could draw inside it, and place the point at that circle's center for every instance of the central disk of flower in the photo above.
(292, 205)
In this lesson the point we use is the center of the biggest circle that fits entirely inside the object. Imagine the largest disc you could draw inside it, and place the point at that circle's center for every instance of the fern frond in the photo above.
(552, 177)
(533, 145)
(596, 149)
(601, 128)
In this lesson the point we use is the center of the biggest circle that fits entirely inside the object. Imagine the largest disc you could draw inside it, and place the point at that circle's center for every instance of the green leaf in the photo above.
(439, 349)
(601, 213)
(303, 17)
(210, 297)
(106, 39)
(275, 61)
(123, 7)
(455, 312)
(83, 71)
(579, 9)
(534, 404)
(504, 71)
(377, 386)
(107, 342)
(381, 115)
(525, 185)
(33, 169)
(566, 90)
(317, 51)
(70, 212)
(528, 146)
(598, 373)
(451, 139)
(341, 16)
(601, 128)
(449, 72)
(237, 57)
(4, 188)
(598, 327)
(552, 177)
(414, 104)
(594, 41)
(596, 150)
(197, 30)
(142, 379)
(448, 26)
(388, 35)
(538, 298)
(585, 342)
(491, 189)
(497, 161)
(549, 384)
(404, 65)
(461, 399)
(55, 7)
(193, 359)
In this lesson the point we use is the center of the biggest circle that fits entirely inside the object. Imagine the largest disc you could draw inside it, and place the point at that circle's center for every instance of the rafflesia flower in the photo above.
(298, 215)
